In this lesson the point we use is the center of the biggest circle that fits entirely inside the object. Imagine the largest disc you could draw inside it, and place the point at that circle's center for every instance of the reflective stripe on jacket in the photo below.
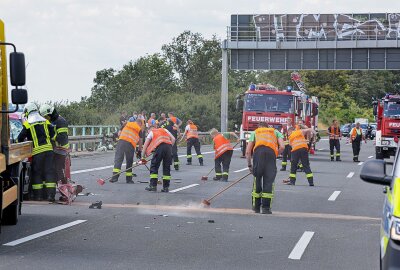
(297, 140)
(221, 145)
(192, 132)
(334, 132)
(266, 137)
(160, 136)
(355, 132)
(130, 133)
(41, 141)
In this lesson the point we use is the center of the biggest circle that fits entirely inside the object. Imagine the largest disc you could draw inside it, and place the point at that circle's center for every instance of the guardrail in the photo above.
(89, 137)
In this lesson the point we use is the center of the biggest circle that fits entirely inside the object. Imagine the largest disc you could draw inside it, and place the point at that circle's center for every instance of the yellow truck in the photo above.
(11, 154)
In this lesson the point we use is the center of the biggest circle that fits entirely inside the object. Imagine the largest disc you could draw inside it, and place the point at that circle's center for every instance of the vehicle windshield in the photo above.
(15, 129)
(268, 103)
(392, 108)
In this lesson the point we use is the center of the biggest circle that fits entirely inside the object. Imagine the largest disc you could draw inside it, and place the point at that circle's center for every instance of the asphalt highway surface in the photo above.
(333, 225)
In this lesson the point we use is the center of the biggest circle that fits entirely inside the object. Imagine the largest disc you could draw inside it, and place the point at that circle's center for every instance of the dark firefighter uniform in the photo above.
(61, 146)
(40, 132)
(161, 143)
(223, 155)
(356, 137)
(128, 139)
(172, 128)
(334, 142)
(192, 140)
(265, 151)
(299, 153)
(286, 151)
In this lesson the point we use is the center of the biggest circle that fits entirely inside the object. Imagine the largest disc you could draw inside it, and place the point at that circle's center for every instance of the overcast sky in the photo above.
(66, 41)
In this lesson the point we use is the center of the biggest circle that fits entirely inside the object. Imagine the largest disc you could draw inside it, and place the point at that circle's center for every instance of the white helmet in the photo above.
(46, 109)
(30, 107)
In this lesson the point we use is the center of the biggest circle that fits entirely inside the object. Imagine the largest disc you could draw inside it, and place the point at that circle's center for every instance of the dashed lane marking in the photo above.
(370, 156)
(241, 170)
(334, 196)
(301, 246)
(183, 188)
(361, 163)
(192, 207)
(43, 233)
(350, 175)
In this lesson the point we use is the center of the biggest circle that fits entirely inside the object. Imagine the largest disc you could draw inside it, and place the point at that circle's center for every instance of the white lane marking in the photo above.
(370, 156)
(350, 175)
(40, 234)
(301, 246)
(111, 166)
(321, 149)
(334, 195)
(361, 163)
(183, 188)
(241, 170)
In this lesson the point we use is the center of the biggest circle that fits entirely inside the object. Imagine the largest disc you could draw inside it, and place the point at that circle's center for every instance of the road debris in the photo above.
(211, 221)
(96, 205)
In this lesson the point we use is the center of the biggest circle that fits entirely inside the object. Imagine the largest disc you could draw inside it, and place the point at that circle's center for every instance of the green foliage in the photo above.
(186, 78)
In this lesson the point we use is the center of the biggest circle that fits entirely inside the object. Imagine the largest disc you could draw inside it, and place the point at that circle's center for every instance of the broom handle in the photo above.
(133, 166)
(229, 186)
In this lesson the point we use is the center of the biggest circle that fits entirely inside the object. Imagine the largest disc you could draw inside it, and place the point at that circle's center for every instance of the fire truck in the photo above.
(266, 103)
(387, 114)
(12, 155)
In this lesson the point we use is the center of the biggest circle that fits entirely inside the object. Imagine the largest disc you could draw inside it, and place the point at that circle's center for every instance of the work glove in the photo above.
(250, 169)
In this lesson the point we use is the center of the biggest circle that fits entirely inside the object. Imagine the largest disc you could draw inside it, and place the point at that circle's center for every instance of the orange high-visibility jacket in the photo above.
(192, 132)
(297, 140)
(266, 137)
(221, 145)
(130, 133)
(160, 135)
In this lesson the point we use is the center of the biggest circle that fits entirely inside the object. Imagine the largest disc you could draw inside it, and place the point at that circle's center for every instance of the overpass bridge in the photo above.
(309, 41)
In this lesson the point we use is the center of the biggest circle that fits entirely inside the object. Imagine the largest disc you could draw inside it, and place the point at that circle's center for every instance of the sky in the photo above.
(66, 41)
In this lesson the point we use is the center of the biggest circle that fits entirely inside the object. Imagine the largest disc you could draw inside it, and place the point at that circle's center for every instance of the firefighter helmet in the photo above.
(30, 107)
(46, 109)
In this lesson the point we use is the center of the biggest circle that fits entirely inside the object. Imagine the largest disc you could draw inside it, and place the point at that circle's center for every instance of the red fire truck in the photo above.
(265, 103)
(387, 114)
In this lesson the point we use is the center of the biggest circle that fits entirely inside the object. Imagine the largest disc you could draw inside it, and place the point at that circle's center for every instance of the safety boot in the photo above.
(114, 178)
(283, 169)
(311, 181)
(37, 194)
(176, 167)
(257, 205)
(189, 162)
(332, 159)
(224, 178)
(51, 194)
(165, 189)
(338, 158)
(153, 185)
(217, 178)
(129, 180)
(201, 162)
(266, 211)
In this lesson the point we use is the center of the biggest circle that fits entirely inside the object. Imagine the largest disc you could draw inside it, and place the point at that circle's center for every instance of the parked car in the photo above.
(374, 171)
(345, 129)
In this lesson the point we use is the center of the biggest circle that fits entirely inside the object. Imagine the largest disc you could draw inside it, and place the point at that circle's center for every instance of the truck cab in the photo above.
(387, 114)
(266, 103)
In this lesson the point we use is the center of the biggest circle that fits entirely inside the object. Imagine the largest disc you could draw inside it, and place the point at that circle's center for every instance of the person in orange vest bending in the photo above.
(264, 145)
(159, 141)
(192, 136)
(128, 140)
(223, 153)
(299, 144)
(356, 135)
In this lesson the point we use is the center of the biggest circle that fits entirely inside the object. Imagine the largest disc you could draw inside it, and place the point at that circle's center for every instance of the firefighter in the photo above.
(356, 136)
(127, 142)
(176, 132)
(334, 137)
(298, 142)
(171, 127)
(160, 141)
(192, 135)
(40, 131)
(286, 152)
(61, 145)
(264, 145)
(223, 153)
